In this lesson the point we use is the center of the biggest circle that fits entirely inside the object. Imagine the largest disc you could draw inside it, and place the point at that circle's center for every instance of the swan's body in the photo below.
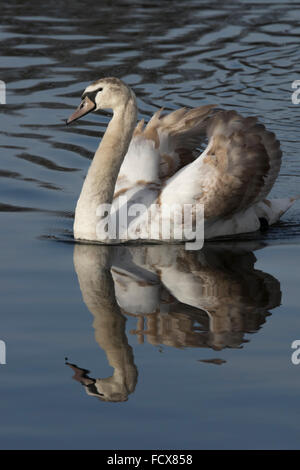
(157, 165)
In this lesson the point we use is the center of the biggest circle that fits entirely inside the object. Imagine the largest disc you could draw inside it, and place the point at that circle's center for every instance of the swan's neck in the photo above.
(99, 185)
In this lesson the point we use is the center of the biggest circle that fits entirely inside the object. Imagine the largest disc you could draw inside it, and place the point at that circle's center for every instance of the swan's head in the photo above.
(106, 93)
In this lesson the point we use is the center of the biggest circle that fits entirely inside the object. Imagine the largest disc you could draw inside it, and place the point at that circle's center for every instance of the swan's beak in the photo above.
(85, 107)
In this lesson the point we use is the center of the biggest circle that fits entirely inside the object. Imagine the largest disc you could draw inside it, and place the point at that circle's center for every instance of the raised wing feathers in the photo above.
(176, 136)
(237, 169)
(247, 158)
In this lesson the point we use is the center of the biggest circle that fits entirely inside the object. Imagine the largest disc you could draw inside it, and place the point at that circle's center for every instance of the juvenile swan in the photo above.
(159, 165)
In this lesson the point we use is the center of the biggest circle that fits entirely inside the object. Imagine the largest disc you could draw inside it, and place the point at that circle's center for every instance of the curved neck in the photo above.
(99, 185)
(92, 264)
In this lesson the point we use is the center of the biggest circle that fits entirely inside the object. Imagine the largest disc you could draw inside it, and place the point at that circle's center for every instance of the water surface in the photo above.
(142, 347)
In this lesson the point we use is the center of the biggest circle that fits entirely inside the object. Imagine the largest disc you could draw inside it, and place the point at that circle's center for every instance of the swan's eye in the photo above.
(91, 94)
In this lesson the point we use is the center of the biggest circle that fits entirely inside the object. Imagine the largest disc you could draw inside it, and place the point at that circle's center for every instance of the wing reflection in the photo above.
(207, 299)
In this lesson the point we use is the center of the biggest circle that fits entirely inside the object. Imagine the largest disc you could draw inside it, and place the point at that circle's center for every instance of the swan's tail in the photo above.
(273, 209)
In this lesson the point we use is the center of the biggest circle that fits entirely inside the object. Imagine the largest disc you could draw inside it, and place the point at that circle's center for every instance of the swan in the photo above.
(157, 166)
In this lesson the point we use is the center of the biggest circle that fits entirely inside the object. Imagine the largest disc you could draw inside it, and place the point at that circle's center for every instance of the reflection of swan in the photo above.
(96, 284)
(217, 288)
(206, 299)
(157, 165)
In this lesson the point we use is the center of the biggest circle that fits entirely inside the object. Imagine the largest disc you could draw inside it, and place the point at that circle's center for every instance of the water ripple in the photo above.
(240, 55)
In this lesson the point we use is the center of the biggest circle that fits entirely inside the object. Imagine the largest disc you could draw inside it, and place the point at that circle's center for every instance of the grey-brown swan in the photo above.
(157, 166)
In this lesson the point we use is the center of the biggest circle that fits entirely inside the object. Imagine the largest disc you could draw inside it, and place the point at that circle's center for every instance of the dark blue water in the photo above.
(197, 345)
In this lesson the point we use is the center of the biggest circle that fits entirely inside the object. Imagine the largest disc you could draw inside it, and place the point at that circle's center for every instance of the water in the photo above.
(203, 359)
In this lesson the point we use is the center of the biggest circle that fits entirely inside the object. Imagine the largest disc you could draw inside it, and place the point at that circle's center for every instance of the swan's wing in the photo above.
(161, 148)
(237, 169)
(253, 151)
(176, 136)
